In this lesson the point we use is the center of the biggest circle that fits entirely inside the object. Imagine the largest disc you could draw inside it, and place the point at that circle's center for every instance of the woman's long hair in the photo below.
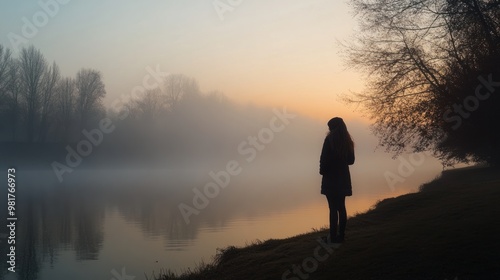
(342, 144)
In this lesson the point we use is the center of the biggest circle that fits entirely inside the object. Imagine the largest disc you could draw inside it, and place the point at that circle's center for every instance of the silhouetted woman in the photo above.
(336, 156)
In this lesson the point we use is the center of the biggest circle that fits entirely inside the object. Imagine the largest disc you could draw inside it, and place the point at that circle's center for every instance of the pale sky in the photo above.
(273, 52)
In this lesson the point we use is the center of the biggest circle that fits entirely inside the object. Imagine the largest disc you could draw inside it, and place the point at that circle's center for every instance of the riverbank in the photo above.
(448, 230)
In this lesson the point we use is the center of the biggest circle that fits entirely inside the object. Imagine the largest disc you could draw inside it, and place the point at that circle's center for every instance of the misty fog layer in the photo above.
(171, 163)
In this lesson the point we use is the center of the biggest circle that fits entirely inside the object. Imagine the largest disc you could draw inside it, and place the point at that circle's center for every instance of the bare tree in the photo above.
(422, 57)
(5, 65)
(33, 94)
(150, 106)
(50, 81)
(13, 94)
(177, 86)
(32, 69)
(90, 92)
(65, 102)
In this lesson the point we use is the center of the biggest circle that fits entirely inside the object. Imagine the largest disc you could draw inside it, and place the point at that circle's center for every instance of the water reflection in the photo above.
(56, 217)
(104, 220)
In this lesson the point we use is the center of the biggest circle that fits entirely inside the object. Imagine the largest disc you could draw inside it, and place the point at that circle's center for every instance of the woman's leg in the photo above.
(334, 217)
(340, 203)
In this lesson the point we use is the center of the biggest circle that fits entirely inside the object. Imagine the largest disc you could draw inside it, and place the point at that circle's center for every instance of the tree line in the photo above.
(174, 119)
(39, 104)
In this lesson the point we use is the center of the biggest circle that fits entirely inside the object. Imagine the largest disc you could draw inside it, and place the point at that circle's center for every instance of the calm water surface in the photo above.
(107, 224)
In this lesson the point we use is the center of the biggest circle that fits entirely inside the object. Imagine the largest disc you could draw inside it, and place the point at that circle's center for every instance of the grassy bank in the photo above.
(448, 230)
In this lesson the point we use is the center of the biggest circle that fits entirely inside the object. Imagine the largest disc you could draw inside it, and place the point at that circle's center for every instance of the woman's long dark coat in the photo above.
(336, 176)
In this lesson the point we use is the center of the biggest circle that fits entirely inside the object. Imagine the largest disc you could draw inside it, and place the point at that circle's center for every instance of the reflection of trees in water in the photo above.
(89, 217)
(71, 216)
(54, 219)
(27, 259)
(155, 210)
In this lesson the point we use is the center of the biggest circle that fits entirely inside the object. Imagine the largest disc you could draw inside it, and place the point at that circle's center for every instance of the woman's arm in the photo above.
(351, 158)
(323, 161)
